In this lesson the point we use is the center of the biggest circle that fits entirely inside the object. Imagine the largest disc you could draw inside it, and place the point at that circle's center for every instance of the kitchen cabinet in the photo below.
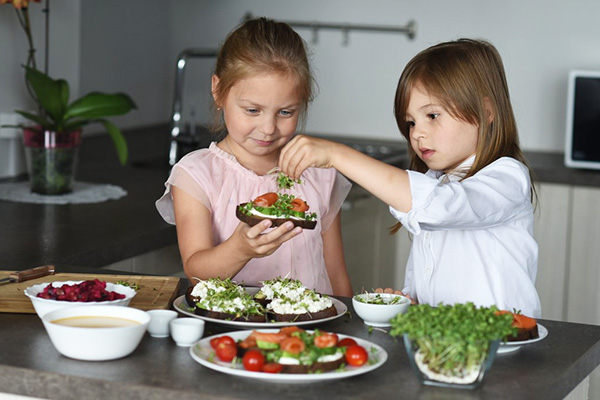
(551, 231)
(584, 257)
(369, 250)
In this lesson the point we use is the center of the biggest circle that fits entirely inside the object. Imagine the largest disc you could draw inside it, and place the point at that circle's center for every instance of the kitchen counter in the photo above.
(159, 369)
(96, 235)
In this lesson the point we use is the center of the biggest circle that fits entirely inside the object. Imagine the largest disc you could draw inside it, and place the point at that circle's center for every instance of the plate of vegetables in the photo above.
(288, 355)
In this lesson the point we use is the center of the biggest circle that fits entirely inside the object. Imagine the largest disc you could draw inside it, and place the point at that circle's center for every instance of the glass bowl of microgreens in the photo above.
(376, 309)
(451, 345)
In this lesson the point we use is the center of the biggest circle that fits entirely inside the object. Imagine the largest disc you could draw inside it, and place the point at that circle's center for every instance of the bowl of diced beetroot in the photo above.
(47, 297)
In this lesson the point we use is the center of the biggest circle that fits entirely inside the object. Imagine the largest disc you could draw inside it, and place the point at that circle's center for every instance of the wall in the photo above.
(64, 57)
(132, 46)
(539, 40)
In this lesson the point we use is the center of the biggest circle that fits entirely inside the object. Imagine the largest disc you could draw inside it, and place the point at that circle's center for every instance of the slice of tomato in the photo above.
(253, 360)
(356, 355)
(266, 200)
(293, 345)
(299, 205)
(272, 368)
(326, 340)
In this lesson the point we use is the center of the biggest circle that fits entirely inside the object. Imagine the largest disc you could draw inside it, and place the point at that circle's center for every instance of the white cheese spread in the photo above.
(262, 215)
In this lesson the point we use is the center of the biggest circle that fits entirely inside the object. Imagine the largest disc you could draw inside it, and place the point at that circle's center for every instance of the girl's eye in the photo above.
(286, 113)
(433, 115)
(251, 110)
(410, 124)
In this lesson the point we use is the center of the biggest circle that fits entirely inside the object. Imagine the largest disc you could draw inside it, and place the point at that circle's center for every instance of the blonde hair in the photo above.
(261, 46)
(467, 76)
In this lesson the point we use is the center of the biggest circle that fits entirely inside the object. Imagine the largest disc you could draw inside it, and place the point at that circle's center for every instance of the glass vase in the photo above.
(468, 376)
(51, 159)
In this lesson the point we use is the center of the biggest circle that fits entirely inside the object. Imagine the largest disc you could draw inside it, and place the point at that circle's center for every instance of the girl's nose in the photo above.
(417, 132)
(268, 125)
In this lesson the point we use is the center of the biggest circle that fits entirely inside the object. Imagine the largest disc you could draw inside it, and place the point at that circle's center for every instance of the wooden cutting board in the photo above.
(153, 292)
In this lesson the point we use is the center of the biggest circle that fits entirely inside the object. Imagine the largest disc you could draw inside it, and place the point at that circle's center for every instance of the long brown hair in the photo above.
(261, 46)
(467, 76)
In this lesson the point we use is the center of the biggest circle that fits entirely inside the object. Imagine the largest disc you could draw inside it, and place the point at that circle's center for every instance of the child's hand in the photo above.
(254, 242)
(302, 152)
(390, 290)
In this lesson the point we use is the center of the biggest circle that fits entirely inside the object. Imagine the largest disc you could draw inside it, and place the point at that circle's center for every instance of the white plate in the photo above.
(181, 306)
(508, 347)
(204, 354)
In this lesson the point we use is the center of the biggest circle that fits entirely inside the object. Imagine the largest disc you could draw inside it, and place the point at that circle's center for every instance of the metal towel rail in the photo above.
(410, 29)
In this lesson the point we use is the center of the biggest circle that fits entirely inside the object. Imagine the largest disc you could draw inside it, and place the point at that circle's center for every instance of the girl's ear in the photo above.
(213, 87)
(489, 110)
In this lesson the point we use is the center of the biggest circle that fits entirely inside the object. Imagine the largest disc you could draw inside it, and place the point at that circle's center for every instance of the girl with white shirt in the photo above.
(467, 198)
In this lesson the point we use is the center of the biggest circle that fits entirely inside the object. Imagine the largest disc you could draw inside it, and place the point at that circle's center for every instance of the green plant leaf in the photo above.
(35, 118)
(64, 93)
(48, 93)
(117, 138)
(99, 105)
(77, 124)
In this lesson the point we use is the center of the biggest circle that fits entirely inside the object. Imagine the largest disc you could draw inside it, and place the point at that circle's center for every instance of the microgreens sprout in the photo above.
(452, 338)
(132, 285)
(285, 182)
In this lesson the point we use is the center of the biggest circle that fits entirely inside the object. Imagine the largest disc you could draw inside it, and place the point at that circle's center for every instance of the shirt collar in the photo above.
(456, 174)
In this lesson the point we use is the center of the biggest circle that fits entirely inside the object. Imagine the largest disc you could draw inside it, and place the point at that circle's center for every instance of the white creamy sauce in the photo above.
(331, 357)
(202, 288)
(259, 214)
(289, 361)
(306, 305)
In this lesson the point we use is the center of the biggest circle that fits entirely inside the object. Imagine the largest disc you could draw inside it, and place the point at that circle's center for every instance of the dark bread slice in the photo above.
(525, 334)
(191, 301)
(328, 312)
(313, 368)
(253, 220)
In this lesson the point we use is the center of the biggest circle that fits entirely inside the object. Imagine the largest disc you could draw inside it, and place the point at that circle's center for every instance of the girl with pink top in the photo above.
(261, 88)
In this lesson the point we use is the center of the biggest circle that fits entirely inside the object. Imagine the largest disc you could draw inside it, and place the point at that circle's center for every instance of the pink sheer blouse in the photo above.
(218, 181)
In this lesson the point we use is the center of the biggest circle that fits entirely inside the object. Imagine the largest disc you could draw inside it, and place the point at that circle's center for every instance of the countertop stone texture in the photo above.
(159, 369)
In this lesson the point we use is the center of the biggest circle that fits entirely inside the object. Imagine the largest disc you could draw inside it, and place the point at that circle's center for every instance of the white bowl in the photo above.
(96, 343)
(44, 306)
(186, 331)
(379, 314)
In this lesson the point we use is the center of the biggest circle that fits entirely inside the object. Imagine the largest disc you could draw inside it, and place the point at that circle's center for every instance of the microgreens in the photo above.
(285, 182)
(452, 338)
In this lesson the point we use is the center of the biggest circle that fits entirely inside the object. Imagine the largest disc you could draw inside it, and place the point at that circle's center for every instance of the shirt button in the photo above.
(427, 234)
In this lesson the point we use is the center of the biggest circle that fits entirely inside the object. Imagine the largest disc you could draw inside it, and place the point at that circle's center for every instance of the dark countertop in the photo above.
(96, 235)
(159, 369)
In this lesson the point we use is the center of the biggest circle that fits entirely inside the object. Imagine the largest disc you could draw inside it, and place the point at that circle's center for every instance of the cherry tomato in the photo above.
(266, 200)
(299, 205)
(356, 355)
(326, 340)
(221, 339)
(293, 345)
(347, 342)
(226, 351)
(272, 368)
(253, 360)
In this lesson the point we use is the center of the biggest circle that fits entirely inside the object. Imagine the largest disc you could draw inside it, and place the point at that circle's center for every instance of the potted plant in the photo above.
(53, 138)
(451, 345)
(54, 135)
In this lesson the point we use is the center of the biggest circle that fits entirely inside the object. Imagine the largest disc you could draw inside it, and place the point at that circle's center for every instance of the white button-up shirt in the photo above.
(473, 239)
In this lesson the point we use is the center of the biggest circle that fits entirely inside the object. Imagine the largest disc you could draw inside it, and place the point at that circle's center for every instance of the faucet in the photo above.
(180, 140)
